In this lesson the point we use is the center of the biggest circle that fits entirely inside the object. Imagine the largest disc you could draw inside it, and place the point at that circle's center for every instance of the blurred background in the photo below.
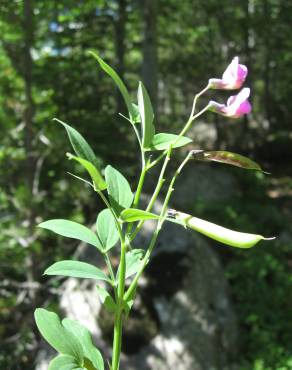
(174, 47)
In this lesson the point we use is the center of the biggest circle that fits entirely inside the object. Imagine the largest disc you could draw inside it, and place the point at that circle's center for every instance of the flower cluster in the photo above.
(233, 78)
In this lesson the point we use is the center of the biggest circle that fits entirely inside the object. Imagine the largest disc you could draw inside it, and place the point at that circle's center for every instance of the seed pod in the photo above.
(219, 233)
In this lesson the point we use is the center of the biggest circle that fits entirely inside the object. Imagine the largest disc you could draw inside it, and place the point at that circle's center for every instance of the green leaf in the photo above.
(106, 299)
(79, 144)
(98, 180)
(219, 233)
(162, 141)
(107, 229)
(130, 301)
(118, 189)
(76, 269)
(90, 352)
(147, 115)
(120, 84)
(132, 215)
(227, 158)
(136, 114)
(134, 260)
(57, 336)
(62, 360)
(73, 230)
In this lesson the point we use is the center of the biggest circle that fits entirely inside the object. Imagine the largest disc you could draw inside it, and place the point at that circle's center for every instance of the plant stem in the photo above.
(166, 160)
(119, 311)
(140, 186)
(112, 275)
(106, 202)
(119, 293)
(156, 191)
(170, 189)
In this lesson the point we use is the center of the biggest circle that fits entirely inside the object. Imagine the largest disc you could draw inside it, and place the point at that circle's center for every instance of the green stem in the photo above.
(197, 97)
(134, 283)
(119, 293)
(117, 340)
(167, 158)
(140, 186)
(119, 310)
(106, 202)
(187, 125)
(156, 191)
(110, 268)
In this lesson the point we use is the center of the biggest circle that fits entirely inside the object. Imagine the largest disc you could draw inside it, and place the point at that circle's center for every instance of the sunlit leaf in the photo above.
(130, 301)
(118, 189)
(106, 299)
(132, 215)
(98, 180)
(107, 229)
(76, 269)
(72, 229)
(219, 233)
(63, 360)
(91, 353)
(136, 118)
(79, 144)
(120, 84)
(134, 260)
(162, 141)
(227, 158)
(57, 335)
(147, 116)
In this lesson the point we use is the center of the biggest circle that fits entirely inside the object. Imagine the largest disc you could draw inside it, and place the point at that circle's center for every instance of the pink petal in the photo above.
(231, 100)
(242, 72)
(244, 108)
(239, 98)
(230, 74)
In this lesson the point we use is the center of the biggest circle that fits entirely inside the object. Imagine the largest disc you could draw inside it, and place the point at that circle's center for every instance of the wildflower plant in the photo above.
(118, 225)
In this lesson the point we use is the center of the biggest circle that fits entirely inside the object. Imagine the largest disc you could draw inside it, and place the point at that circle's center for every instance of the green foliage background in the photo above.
(45, 73)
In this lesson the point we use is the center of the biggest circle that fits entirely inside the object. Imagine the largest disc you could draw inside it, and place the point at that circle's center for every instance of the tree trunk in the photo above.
(120, 27)
(267, 52)
(149, 64)
(28, 116)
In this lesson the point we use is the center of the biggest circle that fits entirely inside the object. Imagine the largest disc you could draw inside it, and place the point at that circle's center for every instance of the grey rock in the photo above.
(204, 182)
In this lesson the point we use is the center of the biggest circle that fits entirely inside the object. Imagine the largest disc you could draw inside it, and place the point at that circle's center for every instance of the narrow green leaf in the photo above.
(107, 229)
(58, 362)
(134, 260)
(106, 299)
(73, 230)
(230, 158)
(57, 336)
(129, 302)
(120, 84)
(162, 141)
(79, 144)
(147, 116)
(136, 114)
(98, 180)
(219, 233)
(76, 269)
(90, 352)
(132, 215)
(118, 189)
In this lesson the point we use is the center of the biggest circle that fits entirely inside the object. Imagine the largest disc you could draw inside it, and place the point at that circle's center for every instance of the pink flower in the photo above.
(232, 78)
(237, 105)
